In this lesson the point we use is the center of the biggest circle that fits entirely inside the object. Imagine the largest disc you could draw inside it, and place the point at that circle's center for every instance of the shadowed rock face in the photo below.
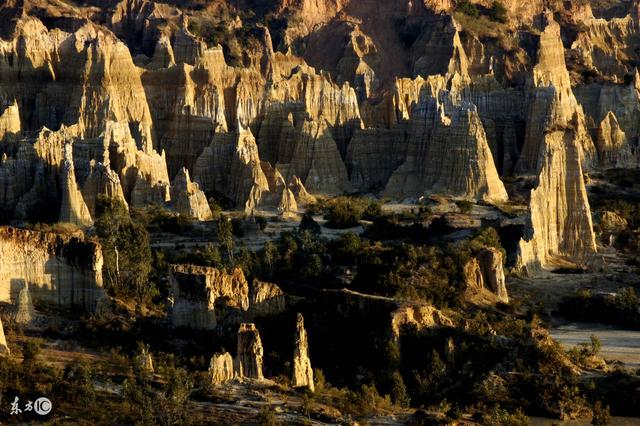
(484, 275)
(58, 269)
(197, 289)
(249, 352)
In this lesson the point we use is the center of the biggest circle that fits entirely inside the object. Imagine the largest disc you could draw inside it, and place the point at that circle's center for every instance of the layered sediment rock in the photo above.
(560, 224)
(25, 313)
(249, 352)
(73, 209)
(266, 298)
(4, 348)
(613, 147)
(102, 182)
(447, 153)
(419, 316)
(302, 371)
(484, 275)
(221, 368)
(61, 270)
(197, 290)
(188, 199)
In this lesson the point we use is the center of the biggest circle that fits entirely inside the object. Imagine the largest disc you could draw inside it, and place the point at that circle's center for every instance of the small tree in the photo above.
(225, 236)
(399, 393)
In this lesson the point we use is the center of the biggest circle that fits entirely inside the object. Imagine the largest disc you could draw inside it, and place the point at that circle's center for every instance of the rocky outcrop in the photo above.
(231, 167)
(73, 209)
(248, 363)
(62, 270)
(145, 360)
(484, 275)
(25, 312)
(302, 371)
(221, 368)
(10, 125)
(560, 225)
(266, 298)
(4, 348)
(552, 104)
(188, 199)
(447, 153)
(102, 182)
(197, 290)
(613, 147)
(419, 316)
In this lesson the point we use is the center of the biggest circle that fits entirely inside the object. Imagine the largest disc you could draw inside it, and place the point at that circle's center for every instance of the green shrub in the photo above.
(498, 12)
(468, 8)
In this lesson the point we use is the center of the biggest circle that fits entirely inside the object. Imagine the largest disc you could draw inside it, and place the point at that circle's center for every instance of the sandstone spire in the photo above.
(561, 226)
(73, 208)
(302, 372)
(102, 181)
(188, 199)
(4, 349)
(249, 352)
(24, 307)
(221, 368)
(612, 144)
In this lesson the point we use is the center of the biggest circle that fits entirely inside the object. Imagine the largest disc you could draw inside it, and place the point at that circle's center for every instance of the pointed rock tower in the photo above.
(73, 208)
(302, 372)
(221, 368)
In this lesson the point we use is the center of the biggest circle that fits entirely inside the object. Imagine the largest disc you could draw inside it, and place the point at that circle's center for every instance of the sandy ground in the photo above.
(617, 345)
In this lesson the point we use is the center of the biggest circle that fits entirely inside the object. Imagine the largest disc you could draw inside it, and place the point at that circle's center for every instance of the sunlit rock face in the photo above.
(302, 371)
(60, 270)
(196, 289)
(221, 368)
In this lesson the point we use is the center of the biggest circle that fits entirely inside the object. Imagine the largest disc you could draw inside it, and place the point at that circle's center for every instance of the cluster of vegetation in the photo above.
(497, 12)
(347, 212)
(621, 309)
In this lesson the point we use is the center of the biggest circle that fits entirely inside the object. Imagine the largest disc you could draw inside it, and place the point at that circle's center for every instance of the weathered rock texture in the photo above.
(198, 289)
(25, 312)
(188, 199)
(419, 316)
(484, 275)
(561, 227)
(221, 368)
(302, 371)
(58, 269)
(4, 348)
(249, 352)
(266, 298)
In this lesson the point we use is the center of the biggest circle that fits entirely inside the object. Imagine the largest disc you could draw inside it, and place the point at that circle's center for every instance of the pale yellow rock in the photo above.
(197, 288)
(420, 316)
(102, 181)
(73, 209)
(249, 352)
(62, 270)
(612, 145)
(10, 125)
(448, 153)
(302, 371)
(4, 348)
(484, 276)
(221, 368)
(561, 226)
(188, 199)
(266, 298)
(25, 312)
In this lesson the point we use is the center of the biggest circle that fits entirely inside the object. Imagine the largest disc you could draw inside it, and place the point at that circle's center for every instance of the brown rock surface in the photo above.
(25, 312)
(188, 199)
(249, 352)
(4, 349)
(420, 316)
(196, 290)
(266, 298)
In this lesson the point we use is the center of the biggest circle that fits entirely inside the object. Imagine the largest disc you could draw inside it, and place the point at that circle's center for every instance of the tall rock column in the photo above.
(73, 208)
(249, 353)
(221, 368)
(302, 372)
(561, 227)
